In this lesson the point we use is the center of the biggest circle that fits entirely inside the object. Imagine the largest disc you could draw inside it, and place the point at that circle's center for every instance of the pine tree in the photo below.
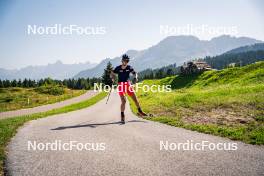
(48, 81)
(25, 83)
(34, 84)
(14, 83)
(106, 75)
(30, 83)
(77, 84)
(7, 83)
(40, 82)
(169, 72)
(19, 83)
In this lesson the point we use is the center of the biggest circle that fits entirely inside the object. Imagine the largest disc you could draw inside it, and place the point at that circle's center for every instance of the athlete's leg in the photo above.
(122, 108)
(134, 98)
(123, 103)
(130, 91)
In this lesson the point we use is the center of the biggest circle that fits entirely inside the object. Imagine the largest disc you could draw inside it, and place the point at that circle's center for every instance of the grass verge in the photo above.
(227, 103)
(15, 98)
(251, 133)
(8, 127)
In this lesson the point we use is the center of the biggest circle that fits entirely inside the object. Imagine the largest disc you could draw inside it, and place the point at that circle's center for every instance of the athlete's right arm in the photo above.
(113, 76)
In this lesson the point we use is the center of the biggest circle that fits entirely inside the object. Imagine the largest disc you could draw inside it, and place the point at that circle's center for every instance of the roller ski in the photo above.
(143, 115)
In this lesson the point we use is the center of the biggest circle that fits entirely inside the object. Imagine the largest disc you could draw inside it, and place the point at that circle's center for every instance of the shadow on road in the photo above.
(94, 125)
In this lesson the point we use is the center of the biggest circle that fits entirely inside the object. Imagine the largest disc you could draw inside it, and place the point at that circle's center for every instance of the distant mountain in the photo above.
(255, 47)
(240, 56)
(58, 70)
(173, 49)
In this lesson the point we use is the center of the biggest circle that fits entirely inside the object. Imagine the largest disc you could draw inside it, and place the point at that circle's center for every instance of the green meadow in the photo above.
(14, 98)
(227, 103)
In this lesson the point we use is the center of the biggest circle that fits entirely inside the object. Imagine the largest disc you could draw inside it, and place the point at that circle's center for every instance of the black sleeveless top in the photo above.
(123, 74)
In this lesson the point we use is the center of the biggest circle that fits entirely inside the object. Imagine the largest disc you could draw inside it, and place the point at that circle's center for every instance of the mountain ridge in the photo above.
(174, 49)
(56, 70)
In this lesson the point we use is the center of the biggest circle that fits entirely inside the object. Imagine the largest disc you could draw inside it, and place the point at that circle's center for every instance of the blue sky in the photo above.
(129, 25)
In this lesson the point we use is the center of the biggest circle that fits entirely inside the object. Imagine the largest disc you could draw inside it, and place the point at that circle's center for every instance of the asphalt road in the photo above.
(47, 107)
(130, 149)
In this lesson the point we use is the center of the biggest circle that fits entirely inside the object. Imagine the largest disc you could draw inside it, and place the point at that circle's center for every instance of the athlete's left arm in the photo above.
(134, 73)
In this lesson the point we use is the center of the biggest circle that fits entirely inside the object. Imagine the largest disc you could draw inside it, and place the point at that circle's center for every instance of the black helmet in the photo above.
(125, 58)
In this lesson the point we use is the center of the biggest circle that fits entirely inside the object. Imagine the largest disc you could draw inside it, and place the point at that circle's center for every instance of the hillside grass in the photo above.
(228, 103)
(8, 127)
(15, 98)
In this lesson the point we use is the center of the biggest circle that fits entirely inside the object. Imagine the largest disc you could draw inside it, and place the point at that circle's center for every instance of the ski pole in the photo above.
(109, 95)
